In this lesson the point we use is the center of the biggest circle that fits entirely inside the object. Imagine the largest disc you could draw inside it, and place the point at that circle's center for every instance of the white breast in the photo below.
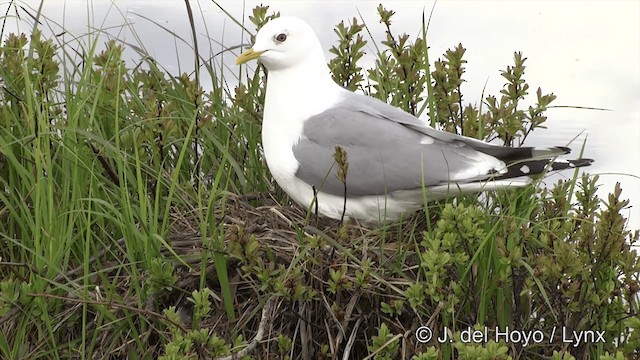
(286, 109)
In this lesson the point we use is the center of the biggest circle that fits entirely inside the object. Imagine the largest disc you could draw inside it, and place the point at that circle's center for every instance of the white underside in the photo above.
(384, 208)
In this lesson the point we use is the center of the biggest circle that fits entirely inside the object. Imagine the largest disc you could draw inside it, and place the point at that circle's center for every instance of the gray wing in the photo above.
(377, 108)
(387, 150)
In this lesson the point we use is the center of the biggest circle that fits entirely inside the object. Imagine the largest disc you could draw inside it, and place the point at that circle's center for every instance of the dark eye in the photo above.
(281, 37)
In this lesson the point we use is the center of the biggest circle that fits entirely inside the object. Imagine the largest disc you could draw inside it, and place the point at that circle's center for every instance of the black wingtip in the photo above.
(581, 162)
(535, 167)
(571, 164)
(566, 150)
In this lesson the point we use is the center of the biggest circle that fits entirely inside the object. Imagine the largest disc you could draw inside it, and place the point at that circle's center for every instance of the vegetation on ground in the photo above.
(138, 220)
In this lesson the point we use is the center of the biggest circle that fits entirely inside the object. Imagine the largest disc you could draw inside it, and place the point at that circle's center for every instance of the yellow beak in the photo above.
(247, 56)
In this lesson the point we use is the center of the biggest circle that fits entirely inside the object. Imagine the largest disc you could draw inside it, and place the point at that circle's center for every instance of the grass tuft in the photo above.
(137, 220)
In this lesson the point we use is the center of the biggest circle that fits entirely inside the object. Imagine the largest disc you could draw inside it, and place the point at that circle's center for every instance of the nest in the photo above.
(343, 320)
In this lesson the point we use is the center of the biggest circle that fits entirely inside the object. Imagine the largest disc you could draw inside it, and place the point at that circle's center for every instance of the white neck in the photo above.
(306, 86)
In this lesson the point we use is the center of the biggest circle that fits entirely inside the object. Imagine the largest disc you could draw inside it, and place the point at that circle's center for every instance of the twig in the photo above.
(340, 157)
(265, 320)
(315, 199)
(347, 318)
(389, 342)
(352, 339)
(111, 174)
(344, 203)
(253, 196)
(9, 314)
(80, 268)
(305, 340)
(113, 305)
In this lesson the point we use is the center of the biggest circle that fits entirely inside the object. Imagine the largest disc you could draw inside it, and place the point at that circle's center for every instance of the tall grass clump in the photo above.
(138, 220)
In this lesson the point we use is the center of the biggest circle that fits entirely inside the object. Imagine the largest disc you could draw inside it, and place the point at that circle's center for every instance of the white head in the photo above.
(283, 43)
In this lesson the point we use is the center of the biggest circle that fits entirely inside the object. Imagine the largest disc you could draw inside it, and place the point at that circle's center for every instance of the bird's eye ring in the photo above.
(281, 37)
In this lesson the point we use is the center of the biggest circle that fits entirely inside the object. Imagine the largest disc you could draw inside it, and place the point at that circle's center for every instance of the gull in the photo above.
(394, 159)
